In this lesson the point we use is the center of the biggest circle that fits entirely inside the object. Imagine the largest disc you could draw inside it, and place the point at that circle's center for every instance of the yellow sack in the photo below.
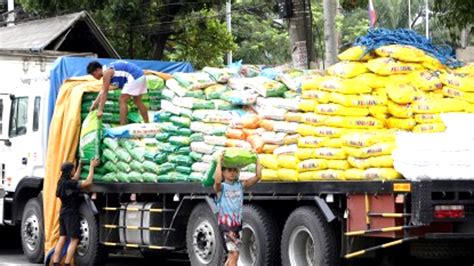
(346, 86)
(268, 161)
(469, 108)
(291, 139)
(468, 69)
(400, 110)
(426, 80)
(459, 94)
(311, 165)
(459, 81)
(384, 161)
(311, 142)
(288, 161)
(384, 148)
(328, 174)
(363, 122)
(337, 164)
(318, 95)
(354, 54)
(307, 105)
(401, 93)
(401, 123)
(372, 80)
(293, 117)
(287, 174)
(313, 119)
(305, 153)
(380, 112)
(388, 66)
(330, 153)
(367, 139)
(363, 100)
(398, 79)
(306, 130)
(438, 106)
(427, 118)
(430, 127)
(270, 175)
(347, 69)
(333, 143)
(372, 174)
(401, 52)
(337, 109)
(332, 132)
(432, 63)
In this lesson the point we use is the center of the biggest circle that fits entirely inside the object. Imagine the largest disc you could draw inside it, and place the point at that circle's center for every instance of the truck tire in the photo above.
(203, 239)
(442, 249)
(32, 232)
(89, 250)
(307, 239)
(260, 241)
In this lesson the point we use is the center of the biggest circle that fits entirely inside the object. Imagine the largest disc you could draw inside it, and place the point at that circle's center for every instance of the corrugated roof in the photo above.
(37, 34)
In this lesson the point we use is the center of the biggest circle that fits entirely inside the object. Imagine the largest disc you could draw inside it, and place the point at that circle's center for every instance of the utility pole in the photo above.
(329, 9)
(228, 15)
(427, 20)
(301, 34)
(11, 13)
(409, 14)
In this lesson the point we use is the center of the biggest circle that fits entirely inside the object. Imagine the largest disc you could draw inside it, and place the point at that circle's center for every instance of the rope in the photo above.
(379, 37)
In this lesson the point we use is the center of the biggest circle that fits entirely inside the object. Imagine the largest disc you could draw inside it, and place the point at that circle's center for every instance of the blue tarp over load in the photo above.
(67, 67)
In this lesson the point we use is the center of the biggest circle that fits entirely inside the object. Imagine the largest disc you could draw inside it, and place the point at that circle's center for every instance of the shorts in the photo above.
(69, 226)
(232, 240)
(136, 87)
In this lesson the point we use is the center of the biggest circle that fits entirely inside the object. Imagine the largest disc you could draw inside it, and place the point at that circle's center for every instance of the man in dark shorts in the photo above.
(68, 191)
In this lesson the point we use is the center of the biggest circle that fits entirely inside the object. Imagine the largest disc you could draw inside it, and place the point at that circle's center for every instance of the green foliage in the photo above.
(203, 43)
(354, 24)
(455, 13)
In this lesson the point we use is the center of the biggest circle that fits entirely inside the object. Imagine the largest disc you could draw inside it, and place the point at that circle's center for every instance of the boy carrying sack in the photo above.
(230, 197)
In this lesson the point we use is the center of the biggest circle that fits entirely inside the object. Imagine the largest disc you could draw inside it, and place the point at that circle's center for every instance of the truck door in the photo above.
(5, 105)
(17, 151)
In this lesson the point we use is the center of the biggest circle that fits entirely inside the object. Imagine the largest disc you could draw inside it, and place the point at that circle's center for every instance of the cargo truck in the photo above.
(284, 223)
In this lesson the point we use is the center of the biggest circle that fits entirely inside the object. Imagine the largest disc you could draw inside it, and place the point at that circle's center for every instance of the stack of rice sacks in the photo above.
(111, 108)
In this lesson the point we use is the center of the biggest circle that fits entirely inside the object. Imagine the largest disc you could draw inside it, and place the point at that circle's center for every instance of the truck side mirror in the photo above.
(7, 142)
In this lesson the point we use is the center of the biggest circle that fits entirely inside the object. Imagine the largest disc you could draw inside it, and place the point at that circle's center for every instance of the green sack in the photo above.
(89, 140)
(123, 155)
(160, 157)
(208, 180)
(89, 96)
(222, 105)
(124, 167)
(178, 177)
(162, 136)
(110, 156)
(122, 177)
(134, 117)
(195, 156)
(168, 94)
(98, 170)
(110, 166)
(127, 144)
(138, 154)
(166, 147)
(111, 143)
(238, 158)
(165, 168)
(154, 83)
(180, 121)
(149, 177)
(252, 168)
(183, 169)
(150, 167)
(196, 177)
(169, 128)
(135, 176)
(180, 159)
(112, 118)
(179, 141)
(164, 178)
(215, 91)
(184, 132)
(109, 106)
(136, 166)
(203, 104)
(183, 150)
(199, 94)
(165, 116)
(196, 137)
(156, 94)
(110, 177)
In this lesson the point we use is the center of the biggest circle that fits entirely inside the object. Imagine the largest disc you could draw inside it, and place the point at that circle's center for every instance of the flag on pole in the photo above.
(372, 15)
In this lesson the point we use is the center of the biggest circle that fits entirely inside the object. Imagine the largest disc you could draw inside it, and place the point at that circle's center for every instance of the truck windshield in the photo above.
(19, 117)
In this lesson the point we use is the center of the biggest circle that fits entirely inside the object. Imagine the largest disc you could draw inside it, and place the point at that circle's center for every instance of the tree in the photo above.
(329, 9)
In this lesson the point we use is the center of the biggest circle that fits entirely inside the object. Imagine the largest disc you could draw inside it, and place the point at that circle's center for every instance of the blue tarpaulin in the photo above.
(67, 67)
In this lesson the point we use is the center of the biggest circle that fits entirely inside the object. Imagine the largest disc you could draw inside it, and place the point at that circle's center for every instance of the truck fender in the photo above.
(324, 207)
(29, 187)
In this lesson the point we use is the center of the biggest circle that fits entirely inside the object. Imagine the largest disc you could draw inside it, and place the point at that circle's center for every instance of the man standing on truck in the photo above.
(126, 76)
(230, 199)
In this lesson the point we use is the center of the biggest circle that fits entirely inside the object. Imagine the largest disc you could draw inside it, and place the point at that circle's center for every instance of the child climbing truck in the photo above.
(230, 197)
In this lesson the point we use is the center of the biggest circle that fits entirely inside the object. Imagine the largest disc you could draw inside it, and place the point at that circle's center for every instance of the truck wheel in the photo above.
(32, 232)
(89, 250)
(308, 239)
(259, 238)
(203, 239)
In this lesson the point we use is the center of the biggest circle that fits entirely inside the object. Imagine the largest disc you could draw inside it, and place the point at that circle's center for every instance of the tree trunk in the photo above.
(301, 34)
(329, 8)
(159, 44)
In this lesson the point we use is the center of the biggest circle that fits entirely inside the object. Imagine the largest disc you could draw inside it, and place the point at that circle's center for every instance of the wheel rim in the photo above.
(301, 248)
(204, 242)
(249, 250)
(85, 239)
(31, 232)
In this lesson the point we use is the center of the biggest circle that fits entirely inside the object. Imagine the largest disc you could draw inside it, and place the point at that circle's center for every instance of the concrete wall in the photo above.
(465, 54)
